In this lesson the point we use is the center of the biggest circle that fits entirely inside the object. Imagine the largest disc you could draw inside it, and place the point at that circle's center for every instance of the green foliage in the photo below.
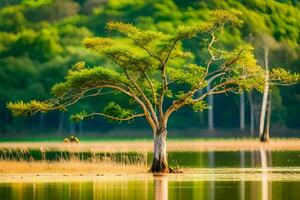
(147, 61)
(6, 41)
(78, 66)
(36, 3)
(124, 55)
(93, 77)
(115, 110)
(40, 40)
(24, 40)
(200, 106)
(78, 116)
(26, 109)
(59, 89)
(246, 71)
(155, 43)
(12, 19)
(284, 77)
(45, 42)
(190, 74)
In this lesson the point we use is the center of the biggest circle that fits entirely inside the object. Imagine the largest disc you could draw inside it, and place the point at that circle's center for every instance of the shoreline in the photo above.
(283, 174)
(109, 168)
(172, 145)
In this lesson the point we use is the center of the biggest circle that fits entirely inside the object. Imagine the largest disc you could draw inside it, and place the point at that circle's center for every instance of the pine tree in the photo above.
(149, 68)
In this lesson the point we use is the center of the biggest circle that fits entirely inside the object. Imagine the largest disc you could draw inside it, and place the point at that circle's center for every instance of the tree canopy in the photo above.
(150, 64)
(40, 40)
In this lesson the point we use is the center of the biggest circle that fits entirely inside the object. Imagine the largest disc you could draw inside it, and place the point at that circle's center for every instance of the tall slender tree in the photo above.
(210, 114)
(242, 111)
(148, 69)
(252, 112)
(263, 135)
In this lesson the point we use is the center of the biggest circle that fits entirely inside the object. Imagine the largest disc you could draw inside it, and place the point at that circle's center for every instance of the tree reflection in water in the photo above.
(264, 174)
(161, 187)
(211, 163)
(242, 182)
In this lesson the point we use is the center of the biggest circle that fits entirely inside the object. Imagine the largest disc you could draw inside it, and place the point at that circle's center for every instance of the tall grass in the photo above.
(67, 161)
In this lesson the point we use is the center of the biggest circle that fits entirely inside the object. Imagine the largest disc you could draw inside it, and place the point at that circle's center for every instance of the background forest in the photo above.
(41, 39)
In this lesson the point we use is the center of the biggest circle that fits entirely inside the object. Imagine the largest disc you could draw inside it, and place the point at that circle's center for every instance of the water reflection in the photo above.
(242, 182)
(264, 176)
(208, 183)
(161, 187)
(211, 163)
(158, 188)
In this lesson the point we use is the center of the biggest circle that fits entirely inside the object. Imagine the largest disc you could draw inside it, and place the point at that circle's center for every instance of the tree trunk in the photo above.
(60, 123)
(242, 111)
(263, 136)
(252, 117)
(41, 121)
(160, 160)
(266, 134)
(268, 120)
(210, 111)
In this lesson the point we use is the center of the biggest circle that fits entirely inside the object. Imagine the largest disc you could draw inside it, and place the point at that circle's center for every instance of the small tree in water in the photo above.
(151, 66)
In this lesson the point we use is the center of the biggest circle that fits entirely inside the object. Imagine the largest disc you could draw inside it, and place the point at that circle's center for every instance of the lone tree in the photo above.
(150, 68)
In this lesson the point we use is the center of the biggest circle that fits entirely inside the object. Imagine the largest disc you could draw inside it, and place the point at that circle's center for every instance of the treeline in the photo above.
(41, 39)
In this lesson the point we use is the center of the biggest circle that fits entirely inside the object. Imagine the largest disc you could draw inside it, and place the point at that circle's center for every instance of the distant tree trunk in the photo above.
(201, 114)
(242, 111)
(212, 185)
(41, 121)
(61, 123)
(210, 111)
(80, 127)
(160, 160)
(6, 117)
(262, 134)
(268, 120)
(251, 102)
(72, 128)
(242, 182)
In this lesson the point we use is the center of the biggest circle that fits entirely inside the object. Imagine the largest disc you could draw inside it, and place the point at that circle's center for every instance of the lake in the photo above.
(258, 174)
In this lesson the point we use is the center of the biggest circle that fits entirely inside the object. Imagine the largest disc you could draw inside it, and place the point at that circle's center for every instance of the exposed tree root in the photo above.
(264, 138)
(162, 167)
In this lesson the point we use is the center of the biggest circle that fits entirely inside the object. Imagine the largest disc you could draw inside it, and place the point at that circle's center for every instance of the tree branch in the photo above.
(115, 118)
(148, 103)
(165, 81)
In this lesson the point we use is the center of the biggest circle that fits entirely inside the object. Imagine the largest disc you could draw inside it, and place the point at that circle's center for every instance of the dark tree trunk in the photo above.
(252, 113)
(264, 137)
(160, 160)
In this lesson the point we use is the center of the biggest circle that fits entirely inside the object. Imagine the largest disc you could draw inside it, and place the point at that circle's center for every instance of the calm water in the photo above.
(208, 175)
(158, 188)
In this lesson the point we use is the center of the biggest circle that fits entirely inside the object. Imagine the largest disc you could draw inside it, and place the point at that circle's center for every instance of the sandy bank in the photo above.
(172, 145)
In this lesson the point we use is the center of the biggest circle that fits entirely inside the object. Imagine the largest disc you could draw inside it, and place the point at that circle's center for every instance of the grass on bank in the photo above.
(15, 157)
(68, 167)
(16, 161)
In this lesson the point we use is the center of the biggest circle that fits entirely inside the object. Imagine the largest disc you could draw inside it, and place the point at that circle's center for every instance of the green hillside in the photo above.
(41, 39)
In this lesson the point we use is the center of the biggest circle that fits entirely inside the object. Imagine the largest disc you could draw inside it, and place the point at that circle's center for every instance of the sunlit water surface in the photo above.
(207, 175)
